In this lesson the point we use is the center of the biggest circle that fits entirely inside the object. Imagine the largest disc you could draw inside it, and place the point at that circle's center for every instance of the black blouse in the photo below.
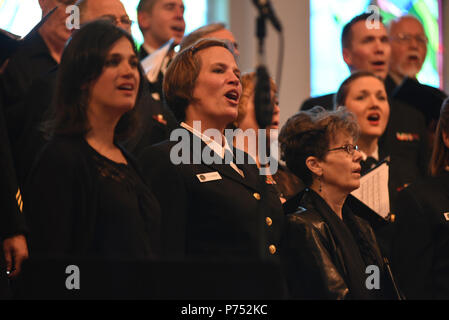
(124, 208)
(81, 203)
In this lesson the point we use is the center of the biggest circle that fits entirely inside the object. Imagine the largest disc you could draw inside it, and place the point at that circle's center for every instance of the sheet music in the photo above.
(373, 190)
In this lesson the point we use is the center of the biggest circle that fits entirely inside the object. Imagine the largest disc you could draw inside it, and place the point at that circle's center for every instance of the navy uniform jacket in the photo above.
(12, 221)
(228, 218)
(426, 99)
(421, 242)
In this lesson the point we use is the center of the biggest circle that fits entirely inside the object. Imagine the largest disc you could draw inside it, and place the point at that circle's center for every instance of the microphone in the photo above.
(266, 10)
(263, 105)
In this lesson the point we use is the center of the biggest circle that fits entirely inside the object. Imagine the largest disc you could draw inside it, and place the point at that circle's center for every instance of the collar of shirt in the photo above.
(374, 155)
(216, 147)
(149, 49)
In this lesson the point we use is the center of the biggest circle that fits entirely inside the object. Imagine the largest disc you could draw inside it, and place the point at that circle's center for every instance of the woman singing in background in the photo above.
(364, 95)
(85, 196)
(327, 248)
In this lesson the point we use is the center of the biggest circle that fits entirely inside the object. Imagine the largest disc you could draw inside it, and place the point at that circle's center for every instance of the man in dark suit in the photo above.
(160, 21)
(364, 49)
(368, 49)
(408, 52)
(37, 53)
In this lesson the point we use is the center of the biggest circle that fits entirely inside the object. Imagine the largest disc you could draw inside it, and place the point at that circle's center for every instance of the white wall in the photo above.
(294, 16)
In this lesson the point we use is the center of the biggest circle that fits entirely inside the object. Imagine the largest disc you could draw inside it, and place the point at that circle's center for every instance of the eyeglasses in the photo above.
(124, 20)
(407, 38)
(349, 148)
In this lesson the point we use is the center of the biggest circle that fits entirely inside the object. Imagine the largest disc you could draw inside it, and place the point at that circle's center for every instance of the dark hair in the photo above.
(440, 153)
(346, 35)
(180, 77)
(309, 133)
(146, 5)
(342, 93)
(81, 64)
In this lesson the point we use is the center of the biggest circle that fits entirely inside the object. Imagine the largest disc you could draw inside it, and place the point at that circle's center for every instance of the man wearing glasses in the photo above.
(408, 48)
(408, 53)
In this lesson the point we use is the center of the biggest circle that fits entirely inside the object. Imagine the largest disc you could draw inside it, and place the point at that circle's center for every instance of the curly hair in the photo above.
(309, 133)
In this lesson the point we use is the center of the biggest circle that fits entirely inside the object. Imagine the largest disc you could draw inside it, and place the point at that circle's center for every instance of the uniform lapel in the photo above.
(251, 179)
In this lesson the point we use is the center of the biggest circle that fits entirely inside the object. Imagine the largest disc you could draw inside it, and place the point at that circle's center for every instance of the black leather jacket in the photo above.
(319, 264)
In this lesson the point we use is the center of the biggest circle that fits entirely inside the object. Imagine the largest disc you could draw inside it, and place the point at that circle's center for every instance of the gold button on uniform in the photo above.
(257, 196)
(268, 221)
(272, 249)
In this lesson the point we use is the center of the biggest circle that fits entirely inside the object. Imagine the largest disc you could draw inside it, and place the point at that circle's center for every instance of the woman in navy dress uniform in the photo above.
(212, 206)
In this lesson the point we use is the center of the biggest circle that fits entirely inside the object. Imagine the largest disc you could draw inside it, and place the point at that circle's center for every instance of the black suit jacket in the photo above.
(31, 60)
(421, 242)
(424, 98)
(221, 219)
(326, 101)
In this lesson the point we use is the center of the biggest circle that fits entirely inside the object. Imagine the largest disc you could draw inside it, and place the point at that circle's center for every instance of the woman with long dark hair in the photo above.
(85, 196)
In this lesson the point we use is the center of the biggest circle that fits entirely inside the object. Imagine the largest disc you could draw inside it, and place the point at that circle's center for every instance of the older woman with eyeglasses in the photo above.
(327, 248)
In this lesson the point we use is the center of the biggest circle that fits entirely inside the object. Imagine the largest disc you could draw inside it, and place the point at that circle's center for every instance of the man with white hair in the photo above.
(408, 48)
(408, 53)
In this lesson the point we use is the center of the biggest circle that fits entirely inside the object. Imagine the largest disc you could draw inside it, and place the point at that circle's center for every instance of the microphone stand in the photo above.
(261, 33)
(263, 101)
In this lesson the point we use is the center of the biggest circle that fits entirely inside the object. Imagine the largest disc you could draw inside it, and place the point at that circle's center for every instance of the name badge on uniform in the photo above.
(209, 176)
(446, 216)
